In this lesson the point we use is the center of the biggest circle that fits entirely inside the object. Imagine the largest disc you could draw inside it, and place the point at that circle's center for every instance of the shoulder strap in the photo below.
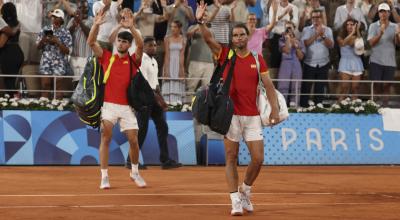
(255, 55)
(227, 83)
(220, 68)
(107, 73)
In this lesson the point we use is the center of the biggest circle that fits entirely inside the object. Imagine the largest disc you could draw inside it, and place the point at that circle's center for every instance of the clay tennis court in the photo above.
(281, 192)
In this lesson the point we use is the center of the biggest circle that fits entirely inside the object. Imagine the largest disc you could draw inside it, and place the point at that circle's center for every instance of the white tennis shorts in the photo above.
(247, 127)
(122, 114)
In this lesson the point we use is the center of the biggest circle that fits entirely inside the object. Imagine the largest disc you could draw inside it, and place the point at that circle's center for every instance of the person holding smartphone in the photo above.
(55, 41)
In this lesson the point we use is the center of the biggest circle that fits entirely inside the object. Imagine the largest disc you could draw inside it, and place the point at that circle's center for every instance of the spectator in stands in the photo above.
(305, 18)
(11, 55)
(79, 27)
(318, 39)
(394, 17)
(220, 18)
(293, 52)
(382, 36)
(111, 9)
(286, 12)
(347, 10)
(265, 5)
(200, 60)
(180, 11)
(239, 9)
(350, 65)
(146, 19)
(259, 35)
(30, 15)
(365, 6)
(55, 41)
(173, 88)
(119, 28)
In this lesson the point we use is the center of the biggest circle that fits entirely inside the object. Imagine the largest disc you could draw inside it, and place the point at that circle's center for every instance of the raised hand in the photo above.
(100, 17)
(127, 20)
(201, 9)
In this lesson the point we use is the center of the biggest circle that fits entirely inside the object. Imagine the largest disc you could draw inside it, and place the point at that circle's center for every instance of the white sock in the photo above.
(104, 173)
(135, 168)
(245, 187)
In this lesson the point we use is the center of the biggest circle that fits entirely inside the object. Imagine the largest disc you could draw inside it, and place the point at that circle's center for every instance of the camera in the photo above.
(48, 32)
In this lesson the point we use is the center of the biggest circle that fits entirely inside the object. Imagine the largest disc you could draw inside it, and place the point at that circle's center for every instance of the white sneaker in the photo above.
(245, 199)
(138, 180)
(105, 183)
(237, 209)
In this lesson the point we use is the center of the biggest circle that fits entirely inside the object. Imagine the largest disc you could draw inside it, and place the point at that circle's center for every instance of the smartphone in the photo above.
(48, 32)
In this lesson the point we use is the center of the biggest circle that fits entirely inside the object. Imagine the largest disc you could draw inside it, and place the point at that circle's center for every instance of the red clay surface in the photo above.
(290, 192)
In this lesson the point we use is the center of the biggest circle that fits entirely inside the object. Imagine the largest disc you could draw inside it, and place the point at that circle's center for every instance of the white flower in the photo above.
(348, 99)
(55, 102)
(356, 109)
(381, 110)
(319, 105)
(358, 101)
(50, 106)
(190, 108)
(174, 103)
(14, 104)
(344, 102)
(299, 110)
(183, 110)
(292, 104)
(361, 108)
(311, 103)
(7, 96)
(43, 99)
(4, 104)
(2, 99)
(60, 108)
(13, 100)
(179, 102)
(336, 106)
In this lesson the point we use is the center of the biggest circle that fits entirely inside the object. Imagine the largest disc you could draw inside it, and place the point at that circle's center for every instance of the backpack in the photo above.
(140, 94)
(88, 96)
(204, 99)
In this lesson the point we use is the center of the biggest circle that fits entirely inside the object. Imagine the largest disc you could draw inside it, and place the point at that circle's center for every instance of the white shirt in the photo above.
(149, 68)
(110, 19)
(280, 24)
(29, 14)
(342, 14)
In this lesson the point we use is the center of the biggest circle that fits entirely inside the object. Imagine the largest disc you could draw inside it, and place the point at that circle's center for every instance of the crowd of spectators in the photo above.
(299, 39)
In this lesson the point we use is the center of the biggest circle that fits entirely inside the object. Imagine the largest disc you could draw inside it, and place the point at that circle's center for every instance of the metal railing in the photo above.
(370, 86)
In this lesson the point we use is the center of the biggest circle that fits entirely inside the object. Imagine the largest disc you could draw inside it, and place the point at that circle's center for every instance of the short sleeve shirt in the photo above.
(118, 81)
(256, 41)
(243, 89)
(53, 61)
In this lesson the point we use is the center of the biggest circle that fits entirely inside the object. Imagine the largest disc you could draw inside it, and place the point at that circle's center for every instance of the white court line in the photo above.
(191, 205)
(183, 194)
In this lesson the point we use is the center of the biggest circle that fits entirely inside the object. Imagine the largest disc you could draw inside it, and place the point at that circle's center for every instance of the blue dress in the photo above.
(350, 62)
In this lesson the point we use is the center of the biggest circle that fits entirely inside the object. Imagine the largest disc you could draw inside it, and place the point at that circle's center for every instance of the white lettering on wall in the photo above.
(316, 141)
(341, 139)
(285, 141)
(358, 139)
(377, 139)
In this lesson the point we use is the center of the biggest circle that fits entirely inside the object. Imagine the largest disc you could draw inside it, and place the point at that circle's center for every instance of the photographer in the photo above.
(293, 52)
(55, 41)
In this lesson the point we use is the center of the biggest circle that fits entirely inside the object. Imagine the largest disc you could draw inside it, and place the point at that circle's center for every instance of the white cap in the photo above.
(58, 13)
(384, 6)
(359, 46)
